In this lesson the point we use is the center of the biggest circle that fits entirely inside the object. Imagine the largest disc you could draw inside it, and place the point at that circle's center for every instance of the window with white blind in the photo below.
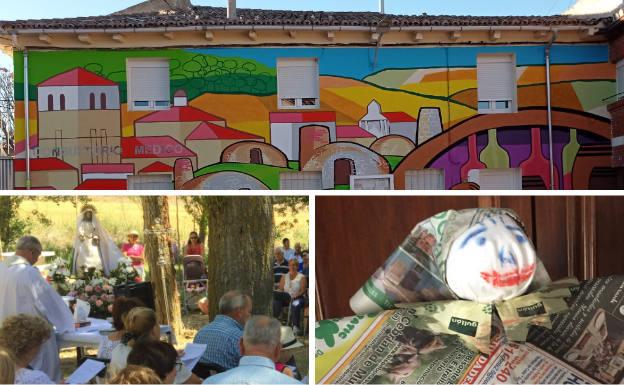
(148, 84)
(496, 76)
(620, 80)
(298, 83)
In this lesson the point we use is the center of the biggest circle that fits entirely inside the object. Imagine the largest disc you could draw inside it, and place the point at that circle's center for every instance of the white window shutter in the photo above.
(148, 80)
(496, 77)
(297, 78)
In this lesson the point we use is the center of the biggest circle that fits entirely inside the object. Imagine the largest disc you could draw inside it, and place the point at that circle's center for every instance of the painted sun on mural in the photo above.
(275, 118)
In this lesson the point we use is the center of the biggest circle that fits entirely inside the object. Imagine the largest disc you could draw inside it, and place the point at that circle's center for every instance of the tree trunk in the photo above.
(157, 242)
(240, 241)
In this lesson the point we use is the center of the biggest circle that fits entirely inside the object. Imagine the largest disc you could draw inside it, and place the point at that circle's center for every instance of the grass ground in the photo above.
(120, 214)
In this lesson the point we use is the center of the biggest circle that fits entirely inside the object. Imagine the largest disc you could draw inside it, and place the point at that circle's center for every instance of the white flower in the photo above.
(112, 281)
(129, 269)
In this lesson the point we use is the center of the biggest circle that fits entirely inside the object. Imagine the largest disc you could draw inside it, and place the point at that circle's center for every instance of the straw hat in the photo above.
(288, 339)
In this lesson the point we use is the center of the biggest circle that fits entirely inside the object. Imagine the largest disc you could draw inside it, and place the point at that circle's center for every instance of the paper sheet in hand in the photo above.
(85, 372)
(192, 354)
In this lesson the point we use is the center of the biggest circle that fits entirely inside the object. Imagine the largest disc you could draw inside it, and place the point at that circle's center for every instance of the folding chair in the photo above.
(194, 276)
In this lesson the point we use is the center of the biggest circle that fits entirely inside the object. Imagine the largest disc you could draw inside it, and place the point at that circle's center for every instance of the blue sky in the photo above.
(28, 9)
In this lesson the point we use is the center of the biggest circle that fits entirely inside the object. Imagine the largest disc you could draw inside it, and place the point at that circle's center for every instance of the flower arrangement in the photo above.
(58, 276)
(125, 272)
(91, 285)
(98, 292)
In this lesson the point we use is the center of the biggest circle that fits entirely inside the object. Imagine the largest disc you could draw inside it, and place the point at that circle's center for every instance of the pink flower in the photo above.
(88, 288)
(104, 297)
(99, 303)
(93, 298)
(107, 288)
(137, 279)
(110, 308)
(98, 289)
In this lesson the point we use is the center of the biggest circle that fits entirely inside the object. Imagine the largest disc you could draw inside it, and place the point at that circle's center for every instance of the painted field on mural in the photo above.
(399, 112)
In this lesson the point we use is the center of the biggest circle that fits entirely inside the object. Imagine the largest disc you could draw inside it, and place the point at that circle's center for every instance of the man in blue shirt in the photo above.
(223, 334)
(261, 347)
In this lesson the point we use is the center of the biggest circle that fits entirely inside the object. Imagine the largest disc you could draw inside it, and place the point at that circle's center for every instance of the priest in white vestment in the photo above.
(24, 290)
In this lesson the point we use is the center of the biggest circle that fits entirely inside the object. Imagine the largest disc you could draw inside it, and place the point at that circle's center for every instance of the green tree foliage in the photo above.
(198, 207)
(12, 227)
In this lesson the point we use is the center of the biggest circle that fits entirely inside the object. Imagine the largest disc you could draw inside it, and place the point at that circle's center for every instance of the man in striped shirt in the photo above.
(223, 334)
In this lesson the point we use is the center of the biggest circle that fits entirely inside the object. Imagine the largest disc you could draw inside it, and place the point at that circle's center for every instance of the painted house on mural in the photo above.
(171, 95)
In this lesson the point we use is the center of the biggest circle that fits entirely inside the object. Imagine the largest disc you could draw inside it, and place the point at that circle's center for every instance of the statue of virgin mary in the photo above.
(93, 246)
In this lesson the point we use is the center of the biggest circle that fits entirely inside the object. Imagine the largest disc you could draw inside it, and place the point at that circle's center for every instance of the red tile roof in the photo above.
(145, 147)
(352, 132)
(215, 16)
(399, 117)
(103, 184)
(209, 131)
(302, 117)
(76, 77)
(180, 114)
(156, 167)
(42, 164)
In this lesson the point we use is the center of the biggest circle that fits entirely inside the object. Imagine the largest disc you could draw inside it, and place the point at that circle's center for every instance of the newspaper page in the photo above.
(520, 363)
(392, 347)
(409, 346)
(590, 336)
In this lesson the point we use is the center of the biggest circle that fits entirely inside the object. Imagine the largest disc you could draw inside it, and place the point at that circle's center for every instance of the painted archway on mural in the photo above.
(489, 141)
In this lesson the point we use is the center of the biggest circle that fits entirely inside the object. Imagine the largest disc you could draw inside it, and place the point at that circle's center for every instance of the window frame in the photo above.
(153, 104)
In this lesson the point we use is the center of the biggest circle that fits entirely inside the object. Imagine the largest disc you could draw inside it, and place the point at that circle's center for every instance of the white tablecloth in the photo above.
(89, 336)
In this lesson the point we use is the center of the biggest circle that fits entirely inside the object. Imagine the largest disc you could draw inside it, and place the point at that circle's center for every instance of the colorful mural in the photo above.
(391, 111)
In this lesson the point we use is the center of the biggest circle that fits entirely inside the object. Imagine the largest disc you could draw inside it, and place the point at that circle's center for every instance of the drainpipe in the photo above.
(26, 118)
(549, 106)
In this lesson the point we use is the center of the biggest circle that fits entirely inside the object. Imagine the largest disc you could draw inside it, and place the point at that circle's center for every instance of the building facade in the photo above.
(339, 95)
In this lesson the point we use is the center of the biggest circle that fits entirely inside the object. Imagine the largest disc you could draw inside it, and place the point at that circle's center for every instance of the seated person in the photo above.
(288, 252)
(280, 265)
(294, 284)
(159, 356)
(287, 360)
(305, 265)
(140, 325)
(22, 336)
(223, 334)
(260, 348)
(7, 368)
(121, 307)
(133, 374)
(194, 246)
